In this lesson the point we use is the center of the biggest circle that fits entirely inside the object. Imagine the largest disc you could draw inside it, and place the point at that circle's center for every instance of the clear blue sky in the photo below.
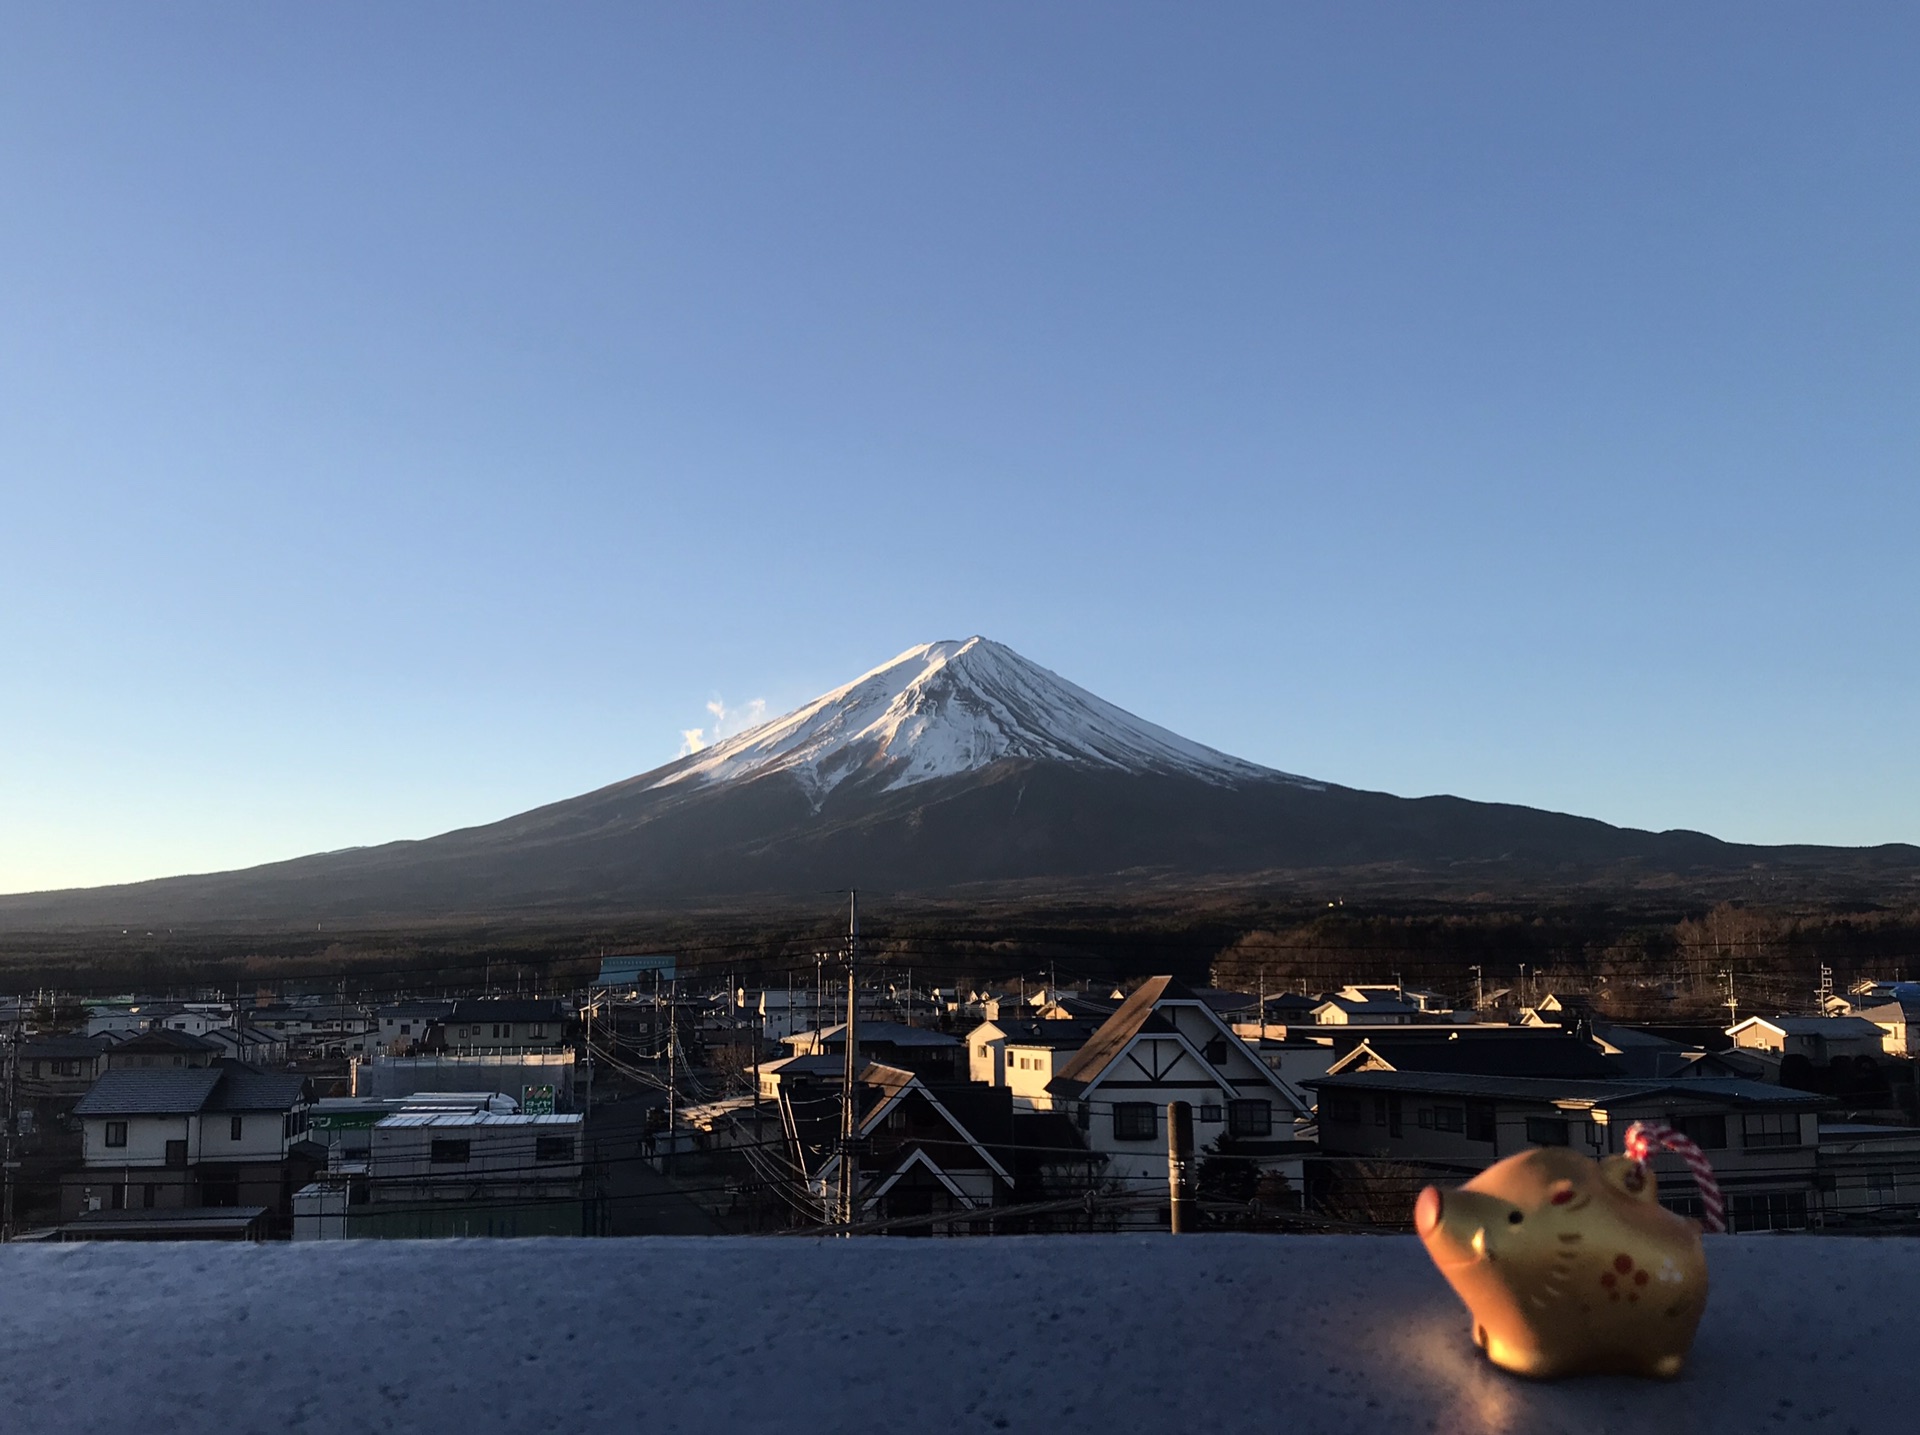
(411, 414)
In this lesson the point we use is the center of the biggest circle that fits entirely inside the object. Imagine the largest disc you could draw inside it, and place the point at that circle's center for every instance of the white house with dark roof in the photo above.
(180, 1137)
(1167, 1044)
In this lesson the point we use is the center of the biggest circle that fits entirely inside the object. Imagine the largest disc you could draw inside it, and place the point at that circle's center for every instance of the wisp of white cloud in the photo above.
(726, 722)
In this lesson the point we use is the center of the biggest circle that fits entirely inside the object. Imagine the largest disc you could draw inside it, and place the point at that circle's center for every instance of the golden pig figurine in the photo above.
(1568, 1265)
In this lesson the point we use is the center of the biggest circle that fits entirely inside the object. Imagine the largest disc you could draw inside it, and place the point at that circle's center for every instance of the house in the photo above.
(467, 1172)
(1819, 1039)
(58, 1066)
(1364, 1011)
(1895, 1017)
(502, 1024)
(1068, 1006)
(1418, 1126)
(170, 1138)
(1503, 1051)
(160, 1048)
(1869, 1175)
(1032, 1053)
(933, 1157)
(986, 1043)
(250, 1044)
(117, 1018)
(1163, 1045)
(937, 1055)
(1422, 1000)
(401, 1026)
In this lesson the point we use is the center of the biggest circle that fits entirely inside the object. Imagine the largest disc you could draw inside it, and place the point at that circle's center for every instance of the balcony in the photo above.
(1048, 1334)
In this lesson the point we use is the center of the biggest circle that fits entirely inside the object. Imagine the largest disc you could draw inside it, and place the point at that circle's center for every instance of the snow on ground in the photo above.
(1053, 1335)
(946, 708)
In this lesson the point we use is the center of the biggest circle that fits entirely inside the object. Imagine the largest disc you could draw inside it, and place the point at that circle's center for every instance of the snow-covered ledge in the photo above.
(1210, 1334)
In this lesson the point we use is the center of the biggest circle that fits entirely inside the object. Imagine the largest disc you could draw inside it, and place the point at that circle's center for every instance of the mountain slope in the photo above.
(957, 763)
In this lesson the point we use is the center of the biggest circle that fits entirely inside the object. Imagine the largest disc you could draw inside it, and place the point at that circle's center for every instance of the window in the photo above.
(986, 1051)
(1709, 1133)
(1546, 1131)
(1216, 1050)
(1481, 1123)
(1250, 1118)
(1393, 1114)
(450, 1153)
(1379, 1111)
(176, 1153)
(552, 1148)
(149, 1194)
(1771, 1129)
(1769, 1211)
(1449, 1118)
(1424, 1118)
(539, 1028)
(1342, 1110)
(1134, 1121)
(1212, 1113)
(116, 1133)
(406, 1028)
(233, 1129)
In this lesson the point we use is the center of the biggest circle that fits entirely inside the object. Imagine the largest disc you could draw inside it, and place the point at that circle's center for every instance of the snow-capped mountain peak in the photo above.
(947, 708)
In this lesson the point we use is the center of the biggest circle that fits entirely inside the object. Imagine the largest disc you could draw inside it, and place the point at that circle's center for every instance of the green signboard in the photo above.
(536, 1100)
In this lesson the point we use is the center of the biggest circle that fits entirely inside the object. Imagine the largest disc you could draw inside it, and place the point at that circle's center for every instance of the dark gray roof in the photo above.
(1056, 1033)
(1515, 1088)
(508, 1009)
(1542, 1053)
(433, 1009)
(165, 1038)
(156, 1091)
(247, 1090)
(63, 1048)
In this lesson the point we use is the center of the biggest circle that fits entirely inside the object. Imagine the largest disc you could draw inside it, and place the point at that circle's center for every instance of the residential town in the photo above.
(656, 1099)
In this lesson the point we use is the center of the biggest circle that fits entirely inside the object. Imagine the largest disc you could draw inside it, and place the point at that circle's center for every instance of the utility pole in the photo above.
(1479, 991)
(1731, 1001)
(11, 1162)
(849, 1110)
(1179, 1165)
(1825, 993)
(673, 1094)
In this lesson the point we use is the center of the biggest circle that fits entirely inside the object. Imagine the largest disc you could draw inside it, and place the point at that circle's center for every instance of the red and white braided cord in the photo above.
(1646, 1137)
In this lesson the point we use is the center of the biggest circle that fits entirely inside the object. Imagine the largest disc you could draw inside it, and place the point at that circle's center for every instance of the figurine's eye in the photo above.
(1515, 1219)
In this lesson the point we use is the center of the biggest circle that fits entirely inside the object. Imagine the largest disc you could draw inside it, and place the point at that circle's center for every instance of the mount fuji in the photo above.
(956, 764)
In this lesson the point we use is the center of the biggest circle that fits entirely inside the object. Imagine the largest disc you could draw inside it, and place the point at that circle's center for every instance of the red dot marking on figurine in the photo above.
(1639, 1278)
(1607, 1280)
(1623, 1264)
(1560, 1198)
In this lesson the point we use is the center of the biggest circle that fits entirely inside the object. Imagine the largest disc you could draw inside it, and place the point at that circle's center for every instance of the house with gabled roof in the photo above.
(173, 1138)
(1166, 1044)
(936, 1155)
(1817, 1038)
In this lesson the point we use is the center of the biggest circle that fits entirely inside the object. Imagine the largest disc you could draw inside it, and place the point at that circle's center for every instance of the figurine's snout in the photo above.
(1427, 1211)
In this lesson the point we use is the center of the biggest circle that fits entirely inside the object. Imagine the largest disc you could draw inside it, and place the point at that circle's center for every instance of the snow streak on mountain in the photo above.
(943, 709)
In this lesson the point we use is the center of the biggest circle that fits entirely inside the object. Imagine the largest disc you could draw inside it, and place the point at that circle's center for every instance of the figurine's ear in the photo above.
(1630, 1177)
